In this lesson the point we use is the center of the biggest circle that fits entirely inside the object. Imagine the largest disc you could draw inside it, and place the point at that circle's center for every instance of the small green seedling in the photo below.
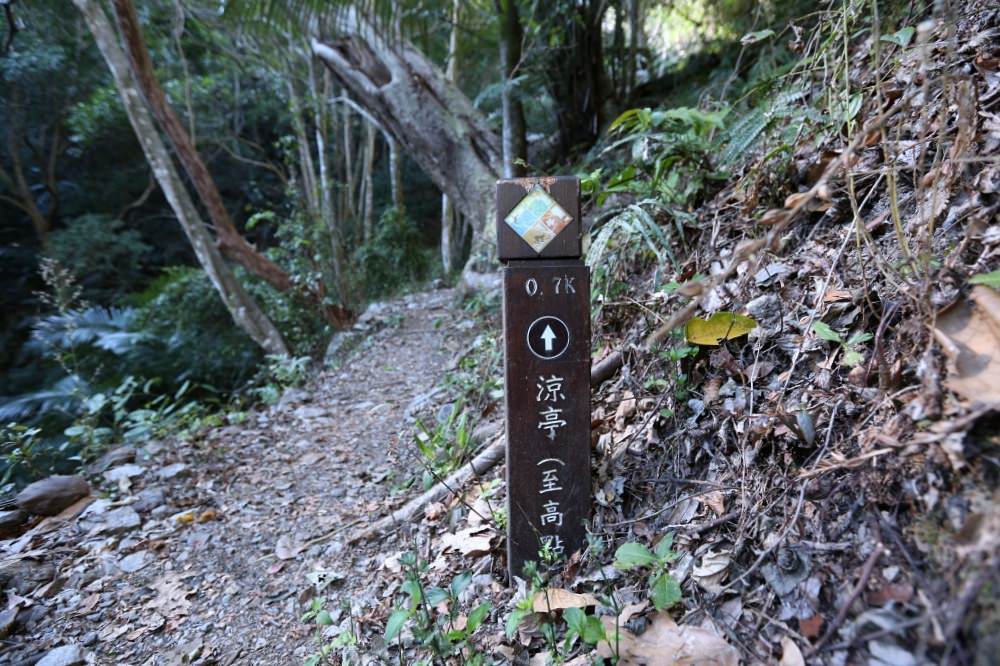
(434, 612)
(318, 615)
(851, 354)
(664, 590)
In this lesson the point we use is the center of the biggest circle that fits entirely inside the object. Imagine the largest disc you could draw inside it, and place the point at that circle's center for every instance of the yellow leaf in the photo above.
(718, 327)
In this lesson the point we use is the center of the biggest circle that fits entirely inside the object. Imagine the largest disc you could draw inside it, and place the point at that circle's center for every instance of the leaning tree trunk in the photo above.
(431, 118)
(243, 309)
(232, 243)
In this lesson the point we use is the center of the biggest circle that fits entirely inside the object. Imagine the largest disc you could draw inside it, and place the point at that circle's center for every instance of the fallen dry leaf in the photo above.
(969, 334)
(631, 610)
(773, 216)
(665, 643)
(712, 570)
(790, 653)
(810, 626)
(466, 543)
(554, 598)
(172, 599)
(714, 501)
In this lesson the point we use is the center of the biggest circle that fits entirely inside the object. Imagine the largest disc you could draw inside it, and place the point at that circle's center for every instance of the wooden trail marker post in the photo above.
(546, 323)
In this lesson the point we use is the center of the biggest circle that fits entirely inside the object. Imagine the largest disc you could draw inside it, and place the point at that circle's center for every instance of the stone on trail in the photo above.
(149, 499)
(134, 562)
(116, 474)
(11, 521)
(67, 655)
(116, 456)
(292, 396)
(51, 495)
(121, 520)
(171, 471)
(8, 619)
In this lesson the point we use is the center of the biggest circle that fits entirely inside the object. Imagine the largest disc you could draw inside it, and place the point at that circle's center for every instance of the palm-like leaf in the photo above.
(63, 396)
(108, 329)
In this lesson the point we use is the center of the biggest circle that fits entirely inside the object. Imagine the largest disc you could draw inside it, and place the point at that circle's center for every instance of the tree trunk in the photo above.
(348, 164)
(395, 173)
(574, 70)
(634, 30)
(232, 243)
(367, 182)
(447, 209)
(434, 122)
(243, 309)
(447, 225)
(23, 197)
(515, 142)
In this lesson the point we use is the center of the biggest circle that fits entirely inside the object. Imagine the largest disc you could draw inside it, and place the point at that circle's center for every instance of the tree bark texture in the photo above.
(243, 309)
(574, 70)
(434, 122)
(515, 141)
(367, 183)
(230, 241)
(17, 182)
(395, 173)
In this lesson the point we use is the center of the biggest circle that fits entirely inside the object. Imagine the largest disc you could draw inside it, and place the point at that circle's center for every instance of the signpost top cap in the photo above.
(538, 218)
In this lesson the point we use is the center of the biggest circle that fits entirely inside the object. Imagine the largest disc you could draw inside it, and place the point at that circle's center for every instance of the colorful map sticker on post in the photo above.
(537, 218)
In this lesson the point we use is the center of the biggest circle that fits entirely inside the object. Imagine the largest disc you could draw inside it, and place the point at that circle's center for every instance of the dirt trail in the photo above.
(213, 571)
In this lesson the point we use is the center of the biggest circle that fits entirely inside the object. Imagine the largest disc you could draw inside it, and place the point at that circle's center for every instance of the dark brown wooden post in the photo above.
(546, 323)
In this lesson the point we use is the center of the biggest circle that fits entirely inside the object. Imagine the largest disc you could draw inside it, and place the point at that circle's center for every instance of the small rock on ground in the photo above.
(53, 494)
(67, 655)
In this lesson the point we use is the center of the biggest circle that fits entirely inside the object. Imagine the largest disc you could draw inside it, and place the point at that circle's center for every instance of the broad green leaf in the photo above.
(412, 588)
(460, 582)
(858, 338)
(901, 37)
(663, 546)
(720, 326)
(514, 619)
(988, 279)
(575, 619)
(323, 618)
(395, 624)
(664, 591)
(852, 358)
(827, 333)
(476, 617)
(853, 106)
(593, 630)
(436, 595)
(754, 37)
(631, 555)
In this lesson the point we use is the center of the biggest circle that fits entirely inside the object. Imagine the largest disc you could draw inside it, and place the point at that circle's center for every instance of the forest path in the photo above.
(217, 567)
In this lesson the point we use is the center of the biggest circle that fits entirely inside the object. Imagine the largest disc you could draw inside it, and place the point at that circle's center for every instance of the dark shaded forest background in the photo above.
(109, 326)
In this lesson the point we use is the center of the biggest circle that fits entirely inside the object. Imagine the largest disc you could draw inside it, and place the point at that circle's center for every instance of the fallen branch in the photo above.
(481, 464)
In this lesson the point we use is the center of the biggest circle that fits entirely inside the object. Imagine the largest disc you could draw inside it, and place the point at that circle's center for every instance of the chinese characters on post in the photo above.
(546, 315)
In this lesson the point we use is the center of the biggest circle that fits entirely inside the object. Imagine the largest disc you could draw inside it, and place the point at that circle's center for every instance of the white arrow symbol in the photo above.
(547, 337)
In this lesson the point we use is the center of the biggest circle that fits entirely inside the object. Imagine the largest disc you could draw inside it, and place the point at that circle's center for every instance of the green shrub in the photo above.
(105, 256)
(393, 257)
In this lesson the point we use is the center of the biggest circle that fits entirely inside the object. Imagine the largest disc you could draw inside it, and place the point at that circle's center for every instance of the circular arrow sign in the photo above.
(548, 337)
